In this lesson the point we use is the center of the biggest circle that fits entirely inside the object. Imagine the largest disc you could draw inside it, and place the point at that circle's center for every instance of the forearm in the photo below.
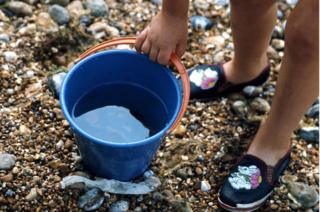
(178, 8)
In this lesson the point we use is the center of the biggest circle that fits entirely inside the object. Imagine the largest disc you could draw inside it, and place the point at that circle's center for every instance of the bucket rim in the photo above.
(157, 136)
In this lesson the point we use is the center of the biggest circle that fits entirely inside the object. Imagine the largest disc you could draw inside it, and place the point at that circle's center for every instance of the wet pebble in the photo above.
(313, 112)
(10, 56)
(119, 206)
(304, 194)
(97, 7)
(252, 91)
(309, 134)
(59, 14)
(200, 23)
(4, 37)
(260, 105)
(91, 200)
(7, 161)
(20, 8)
(55, 82)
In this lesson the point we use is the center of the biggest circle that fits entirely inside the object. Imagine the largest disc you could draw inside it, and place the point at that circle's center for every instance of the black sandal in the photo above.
(250, 183)
(209, 81)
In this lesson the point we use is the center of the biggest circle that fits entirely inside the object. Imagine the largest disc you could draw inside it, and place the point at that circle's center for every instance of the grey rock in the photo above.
(59, 14)
(205, 186)
(240, 108)
(309, 134)
(85, 20)
(97, 7)
(182, 173)
(200, 23)
(252, 91)
(114, 186)
(313, 112)
(304, 194)
(119, 206)
(260, 105)
(55, 82)
(60, 2)
(20, 8)
(4, 37)
(10, 56)
(91, 200)
(7, 161)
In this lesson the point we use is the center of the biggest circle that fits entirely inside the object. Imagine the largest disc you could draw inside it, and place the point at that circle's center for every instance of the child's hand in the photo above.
(164, 35)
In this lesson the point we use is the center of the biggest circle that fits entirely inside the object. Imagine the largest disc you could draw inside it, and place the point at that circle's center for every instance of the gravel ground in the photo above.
(37, 146)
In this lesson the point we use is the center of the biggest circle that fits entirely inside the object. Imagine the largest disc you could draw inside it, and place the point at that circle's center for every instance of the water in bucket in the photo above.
(111, 116)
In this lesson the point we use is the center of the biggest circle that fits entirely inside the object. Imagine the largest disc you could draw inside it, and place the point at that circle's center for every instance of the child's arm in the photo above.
(166, 33)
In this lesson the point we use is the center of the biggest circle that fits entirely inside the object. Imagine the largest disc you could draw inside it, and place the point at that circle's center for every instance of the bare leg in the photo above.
(297, 86)
(252, 23)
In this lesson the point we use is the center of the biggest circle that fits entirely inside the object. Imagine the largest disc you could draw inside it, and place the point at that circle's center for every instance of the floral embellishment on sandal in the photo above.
(247, 177)
(204, 78)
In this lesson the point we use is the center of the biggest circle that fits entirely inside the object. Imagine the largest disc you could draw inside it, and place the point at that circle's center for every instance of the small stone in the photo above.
(158, 197)
(20, 8)
(44, 23)
(292, 2)
(24, 130)
(68, 144)
(274, 206)
(10, 91)
(85, 20)
(9, 193)
(29, 74)
(252, 91)
(7, 178)
(60, 2)
(59, 145)
(278, 44)
(288, 178)
(7, 161)
(260, 105)
(218, 57)
(198, 171)
(278, 32)
(97, 7)
(158, 2)
(240, 107)
(33, 194)
(59, 14)
(15, 170)
(60, 60)
(199, 23)
(55, 82)
(221, 2)
(119, 206)
(10, 56)
(309, 134)
(148, 173)
(180, 131)
(272, 53)
(205, 186)
(182, 206)
(76, 9)
(313, 112)
(304, 194)
(36, 179)
(200, 158)
(91, 200)
(4, 37)
(182, 173)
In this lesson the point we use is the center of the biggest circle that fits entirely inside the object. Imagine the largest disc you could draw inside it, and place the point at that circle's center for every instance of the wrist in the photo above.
(175, 9)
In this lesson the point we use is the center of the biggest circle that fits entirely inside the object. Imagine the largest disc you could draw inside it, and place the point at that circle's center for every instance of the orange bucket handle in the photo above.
(174, 59)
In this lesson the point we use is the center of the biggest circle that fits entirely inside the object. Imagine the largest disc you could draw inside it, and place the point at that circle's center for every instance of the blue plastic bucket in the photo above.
(121, 161)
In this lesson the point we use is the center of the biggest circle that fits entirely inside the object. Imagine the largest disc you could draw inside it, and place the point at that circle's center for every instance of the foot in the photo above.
(209, 81)
(250, 183)
(236, 74)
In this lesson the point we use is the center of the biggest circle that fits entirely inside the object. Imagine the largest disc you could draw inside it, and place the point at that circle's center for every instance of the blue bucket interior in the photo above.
(130, 67)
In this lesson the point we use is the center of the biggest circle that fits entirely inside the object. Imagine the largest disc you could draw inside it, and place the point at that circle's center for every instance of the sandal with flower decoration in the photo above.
(209, 81)
(250, 183)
